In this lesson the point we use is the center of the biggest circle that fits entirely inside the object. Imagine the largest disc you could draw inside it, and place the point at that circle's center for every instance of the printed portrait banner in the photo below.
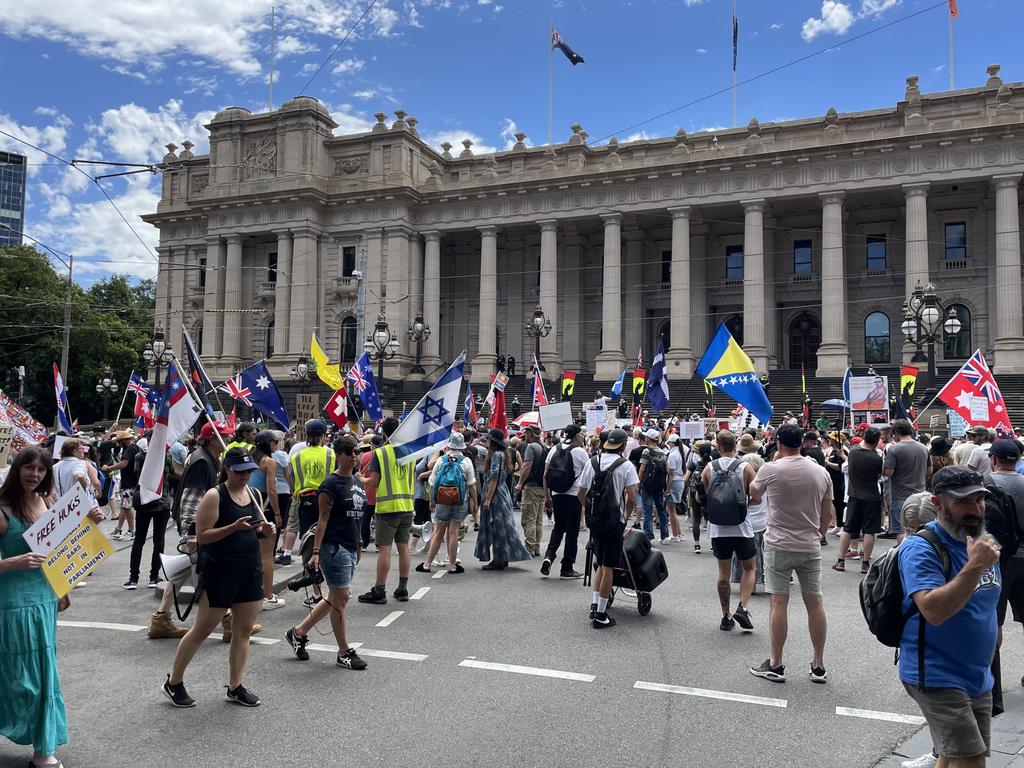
(869, 393)
(76, 557)
(59, 521)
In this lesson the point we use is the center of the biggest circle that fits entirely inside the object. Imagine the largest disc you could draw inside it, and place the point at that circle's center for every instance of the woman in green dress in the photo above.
(31, 704)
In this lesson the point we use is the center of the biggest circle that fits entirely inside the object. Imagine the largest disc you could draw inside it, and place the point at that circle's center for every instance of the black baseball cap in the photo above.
(790, 435)
(958, 482)
(1007, 450)
(239, 460)
(572, 430)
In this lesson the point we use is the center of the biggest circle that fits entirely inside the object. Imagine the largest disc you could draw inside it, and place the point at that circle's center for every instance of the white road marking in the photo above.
(440, 573)
(708, 694)
(100, 625)
(419, 593)
(390, 619)
(527, 670)
(393, 654)
(254, 639)
(870, 714)
(329, 648)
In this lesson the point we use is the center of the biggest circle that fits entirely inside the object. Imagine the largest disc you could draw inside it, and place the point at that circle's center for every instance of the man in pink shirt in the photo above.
(798, 495)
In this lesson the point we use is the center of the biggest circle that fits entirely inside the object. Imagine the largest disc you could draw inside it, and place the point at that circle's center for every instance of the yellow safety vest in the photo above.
(395, 492)
(310, 467)
(247, 447)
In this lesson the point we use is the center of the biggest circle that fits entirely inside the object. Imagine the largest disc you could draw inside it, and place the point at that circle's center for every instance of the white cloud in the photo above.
(638, 136)
(138, 135)
(349, 120)
(484, 2)
(289, 45)
(702, 51)
(369, 93)
(691, 3)
(836, 18)
(455, 137)
(876, 7)
(777, 25)
(508, 133)
(52, 137)
(939, 68)
(348, 66)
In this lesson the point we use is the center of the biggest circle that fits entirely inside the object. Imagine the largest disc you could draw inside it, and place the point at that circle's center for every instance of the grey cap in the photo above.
(958, 482)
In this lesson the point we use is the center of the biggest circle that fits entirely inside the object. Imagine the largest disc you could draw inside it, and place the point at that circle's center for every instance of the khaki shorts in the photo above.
(780, 565)
(392, 528)
(960, 726)
(293, 515)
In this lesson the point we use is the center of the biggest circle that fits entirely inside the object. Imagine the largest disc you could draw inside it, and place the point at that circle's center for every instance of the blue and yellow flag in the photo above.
(727, 367)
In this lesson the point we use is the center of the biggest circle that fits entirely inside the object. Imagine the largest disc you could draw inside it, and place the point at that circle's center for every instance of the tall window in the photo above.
(958, 345)
(956, 241)
(348, 260)
(734, 262)
(202, 272)
(876, 253)
(876, 338)
(802, 259)
(272, 267)
(666, 266)
(348, 340)
(268, 344)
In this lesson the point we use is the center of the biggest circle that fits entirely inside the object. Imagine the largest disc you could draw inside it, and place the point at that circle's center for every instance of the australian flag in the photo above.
(200, 381)
(61, 395)
(261, 390)
(361, 375)
(560, 44)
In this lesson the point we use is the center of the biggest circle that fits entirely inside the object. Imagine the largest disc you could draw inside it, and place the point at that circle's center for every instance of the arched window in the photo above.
(268, 344)
(348, 340)
(876, 338)
(958, 346)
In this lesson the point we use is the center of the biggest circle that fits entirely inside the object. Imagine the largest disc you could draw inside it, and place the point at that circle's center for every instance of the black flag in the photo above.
(560, 44)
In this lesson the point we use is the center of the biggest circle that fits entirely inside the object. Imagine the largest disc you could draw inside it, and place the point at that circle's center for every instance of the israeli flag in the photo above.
(429, 425)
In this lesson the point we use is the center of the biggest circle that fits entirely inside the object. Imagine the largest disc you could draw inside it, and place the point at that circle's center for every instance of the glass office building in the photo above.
(13, 171)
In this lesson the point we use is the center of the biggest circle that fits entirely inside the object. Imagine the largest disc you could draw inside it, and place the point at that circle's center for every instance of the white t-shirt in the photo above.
(625, 477)
(745, 529)
(466, 463)
(296, 448)
(980, 461)
(675, 463)
(66, 473)
(579, 461)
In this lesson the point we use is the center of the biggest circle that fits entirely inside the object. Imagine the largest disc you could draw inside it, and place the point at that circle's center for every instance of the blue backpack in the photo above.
(450, 483)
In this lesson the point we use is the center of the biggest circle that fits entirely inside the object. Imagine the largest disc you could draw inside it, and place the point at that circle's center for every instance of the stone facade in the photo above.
(804, 236)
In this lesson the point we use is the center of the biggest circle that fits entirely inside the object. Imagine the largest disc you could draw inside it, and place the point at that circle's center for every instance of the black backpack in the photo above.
(561, 470)
(603, 511)
(1001, 520)
(881, 595)
(657, 471)
(727, 499)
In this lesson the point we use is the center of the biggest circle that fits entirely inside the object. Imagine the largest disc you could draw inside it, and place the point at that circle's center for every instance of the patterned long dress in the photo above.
(499, 538)
(31, 705)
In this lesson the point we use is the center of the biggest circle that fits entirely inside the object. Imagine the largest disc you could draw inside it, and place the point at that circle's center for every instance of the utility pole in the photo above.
(67, 323)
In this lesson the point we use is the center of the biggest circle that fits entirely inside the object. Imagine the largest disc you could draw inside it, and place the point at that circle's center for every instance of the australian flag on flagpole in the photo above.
(657, 380)
(429, 424)
(62, 402)
(560, 44)
(361, 375)
(256, 388)
(200, 381)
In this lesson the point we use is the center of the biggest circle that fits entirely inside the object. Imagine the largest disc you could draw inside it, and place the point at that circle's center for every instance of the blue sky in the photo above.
(120, 79)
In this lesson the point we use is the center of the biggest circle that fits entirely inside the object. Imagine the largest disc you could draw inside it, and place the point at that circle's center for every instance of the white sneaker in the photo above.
(270, 604)
(667, 540)
(927, 760)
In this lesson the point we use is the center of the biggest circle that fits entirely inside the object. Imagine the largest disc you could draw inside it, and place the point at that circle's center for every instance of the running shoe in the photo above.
(742, 617)
(593, 613)
(666, 540)
(602, 621)
(177, 694)
(768, 672)
(927, 760)
(128, 536)
(545, 567)
(153, 584)
(727, 624)
(298, 644)
(130, 585)
(696, 549)
(854, 555)
(283, 559)
(272, 603)
(401, 595)
(312, 600)
(839, 566)
(242, 695)
(818, 674)
(570, 575)
(374, 597)
(351, 660)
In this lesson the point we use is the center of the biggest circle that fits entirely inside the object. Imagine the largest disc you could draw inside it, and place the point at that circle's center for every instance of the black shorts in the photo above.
(421, 511)
(863, 517)
(608, 547)
(225, 585)
(724, 547)
(1012, 593)
(309, 511)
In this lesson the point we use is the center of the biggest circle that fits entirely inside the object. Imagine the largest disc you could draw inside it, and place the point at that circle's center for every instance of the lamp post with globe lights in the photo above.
(418, 333)
(924, 320)
(381, 345)
(105, 387)
(302, 372)
(158, 353)
(537, 328)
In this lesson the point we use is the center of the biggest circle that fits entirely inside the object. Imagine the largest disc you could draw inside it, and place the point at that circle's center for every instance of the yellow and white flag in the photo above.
(328, 374)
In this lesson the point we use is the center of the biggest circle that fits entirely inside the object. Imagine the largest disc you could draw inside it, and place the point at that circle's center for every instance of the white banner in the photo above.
(58, 522)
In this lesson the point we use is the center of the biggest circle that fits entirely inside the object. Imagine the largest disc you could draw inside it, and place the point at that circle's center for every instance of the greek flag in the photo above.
(429, 424)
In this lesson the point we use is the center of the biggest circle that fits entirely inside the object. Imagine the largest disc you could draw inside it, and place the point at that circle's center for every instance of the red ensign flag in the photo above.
(953, 10)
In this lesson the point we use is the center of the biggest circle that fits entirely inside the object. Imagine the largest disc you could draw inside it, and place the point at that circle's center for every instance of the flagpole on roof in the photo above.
(951, 77)
(551, 78)
(735, 28)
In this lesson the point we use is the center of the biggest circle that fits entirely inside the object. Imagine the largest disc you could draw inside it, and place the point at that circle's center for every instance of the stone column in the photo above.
(432, 299)
(610, 360)
(372, 277)
(573, 301)
(1009, 346)
(178, 286)
(415, 277)
(163, 288)
(917, 236)
(283, 294)
(232, 345)
(549, 356)
(679, 358)
(754, 319)
(699, 323)
(483, 362)
(634, 314)
(398, 298)
(302, 312)
(833, 354)
(213, 298)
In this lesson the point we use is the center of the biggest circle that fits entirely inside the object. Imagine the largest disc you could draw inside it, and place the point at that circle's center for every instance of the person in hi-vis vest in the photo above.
(392, 514)
(310, 467)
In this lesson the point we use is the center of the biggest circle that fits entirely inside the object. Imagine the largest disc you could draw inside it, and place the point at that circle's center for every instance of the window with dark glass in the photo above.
(956, 241)
(272, 267)
(269, 345)
(202, 272)
(348, 260)
(876, 338)
(348, 340)
(958, 346)
(876, 252)
(666, 266)
(802, 258)
(734, 262)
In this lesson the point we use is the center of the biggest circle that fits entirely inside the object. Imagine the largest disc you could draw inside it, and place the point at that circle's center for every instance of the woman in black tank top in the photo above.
(227, 523)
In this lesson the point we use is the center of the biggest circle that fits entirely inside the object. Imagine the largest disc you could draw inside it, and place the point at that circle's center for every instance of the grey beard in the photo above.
(959, 532)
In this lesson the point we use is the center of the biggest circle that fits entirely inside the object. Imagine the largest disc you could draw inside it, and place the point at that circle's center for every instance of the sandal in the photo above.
(458, 569)
(34, 764)
(493, 566)
(422, 568)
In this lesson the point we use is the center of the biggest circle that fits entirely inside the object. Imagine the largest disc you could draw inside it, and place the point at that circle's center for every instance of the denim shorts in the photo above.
(675, 491)
(338, 565)
(451, 513)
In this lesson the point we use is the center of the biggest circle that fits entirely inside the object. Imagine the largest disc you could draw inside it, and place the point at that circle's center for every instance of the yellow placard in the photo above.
(76, 556)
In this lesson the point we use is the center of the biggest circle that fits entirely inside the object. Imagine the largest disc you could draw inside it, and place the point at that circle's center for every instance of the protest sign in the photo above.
(979, 410)
(59, 521)
(6, 440)
(555, 416)
(76, 557)
(597, 416)
(691, 430)
(957, 425)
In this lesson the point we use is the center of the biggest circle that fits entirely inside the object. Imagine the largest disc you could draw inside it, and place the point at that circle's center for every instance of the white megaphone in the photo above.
(177, 569)
(425, 532)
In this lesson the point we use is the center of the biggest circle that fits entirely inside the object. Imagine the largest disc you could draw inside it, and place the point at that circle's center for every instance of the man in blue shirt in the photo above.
(951, 680)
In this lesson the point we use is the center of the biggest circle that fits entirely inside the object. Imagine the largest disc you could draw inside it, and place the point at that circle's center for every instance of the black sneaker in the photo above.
(545, 567)
(177, 694)
(283, 560)
(593, 613)
(742, 617)
(768, 672)
(298, 644)
(818, 674)
(401, 595)
(351, 660)
(375, 597)
(570, 575)
(312, 600)
(130, 585)
(727, 624)
(242, 695)
(602, 621)
(153, 584)
(696, 549)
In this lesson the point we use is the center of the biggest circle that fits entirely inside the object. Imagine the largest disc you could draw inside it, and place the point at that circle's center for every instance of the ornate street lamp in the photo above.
(418, 333)
(105, 387)
(382, 344)
(158, 353)
(924, 320)
(538, 327)
(302, 372)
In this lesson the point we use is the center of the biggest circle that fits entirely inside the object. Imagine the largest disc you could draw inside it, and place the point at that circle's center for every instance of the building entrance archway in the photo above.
(804, 340)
